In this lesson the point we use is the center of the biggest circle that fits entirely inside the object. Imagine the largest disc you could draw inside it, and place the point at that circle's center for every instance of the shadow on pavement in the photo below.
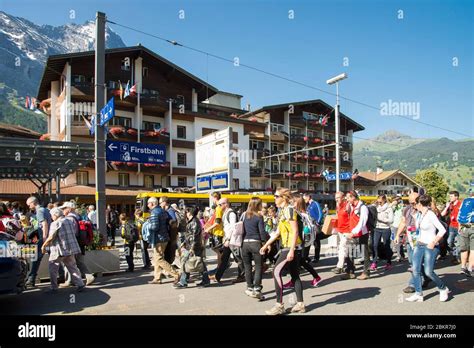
(65, 301)
(345, 296)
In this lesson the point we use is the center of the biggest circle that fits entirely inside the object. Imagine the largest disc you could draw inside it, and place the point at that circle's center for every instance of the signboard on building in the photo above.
(342, 176)
(124, 151)
(213, 161)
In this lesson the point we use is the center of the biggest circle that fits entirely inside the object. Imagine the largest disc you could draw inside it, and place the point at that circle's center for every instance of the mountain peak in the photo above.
(392, 135)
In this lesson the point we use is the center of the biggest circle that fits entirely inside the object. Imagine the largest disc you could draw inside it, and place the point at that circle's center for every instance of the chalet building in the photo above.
(147, 116)
(292, 127)
(390, 182)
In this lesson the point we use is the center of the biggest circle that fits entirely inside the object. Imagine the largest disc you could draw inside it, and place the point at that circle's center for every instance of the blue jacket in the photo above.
(314, 210)
(159, 226)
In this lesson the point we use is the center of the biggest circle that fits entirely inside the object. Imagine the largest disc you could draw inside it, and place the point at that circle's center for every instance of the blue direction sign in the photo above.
(212, 182)
(124, 151)
(107, 112)
(342, 176)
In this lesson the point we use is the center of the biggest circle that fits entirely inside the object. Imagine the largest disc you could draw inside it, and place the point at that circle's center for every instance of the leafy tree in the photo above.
(433, 183)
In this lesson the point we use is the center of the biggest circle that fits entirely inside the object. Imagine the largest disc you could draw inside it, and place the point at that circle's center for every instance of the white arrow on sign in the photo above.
(112, 147)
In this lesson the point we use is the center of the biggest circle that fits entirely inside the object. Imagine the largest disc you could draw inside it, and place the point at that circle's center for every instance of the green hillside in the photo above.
(453, 159)
(12, 113)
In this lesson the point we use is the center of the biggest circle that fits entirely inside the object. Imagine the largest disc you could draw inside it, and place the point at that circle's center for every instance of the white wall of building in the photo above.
(224, 99)
(190, 132)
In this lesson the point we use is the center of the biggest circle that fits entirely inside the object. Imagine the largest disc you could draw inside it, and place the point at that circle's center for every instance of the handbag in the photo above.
(194, 264)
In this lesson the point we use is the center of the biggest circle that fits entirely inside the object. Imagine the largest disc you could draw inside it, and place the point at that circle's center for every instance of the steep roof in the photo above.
(357, 126)
(376, 178)
(55, 65)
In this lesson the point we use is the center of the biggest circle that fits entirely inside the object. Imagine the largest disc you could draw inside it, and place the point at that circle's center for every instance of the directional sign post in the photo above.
(124, 151)
(107, 112)
(342, 176)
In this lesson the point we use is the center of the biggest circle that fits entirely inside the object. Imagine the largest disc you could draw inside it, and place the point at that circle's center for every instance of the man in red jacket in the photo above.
(358, 224)
(342, 227)
(452, 208)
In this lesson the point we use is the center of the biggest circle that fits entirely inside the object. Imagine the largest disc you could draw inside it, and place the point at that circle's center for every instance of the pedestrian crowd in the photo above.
(264, 238)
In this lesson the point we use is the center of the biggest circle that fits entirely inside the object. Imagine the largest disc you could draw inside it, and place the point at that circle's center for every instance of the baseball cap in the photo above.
(69, 205)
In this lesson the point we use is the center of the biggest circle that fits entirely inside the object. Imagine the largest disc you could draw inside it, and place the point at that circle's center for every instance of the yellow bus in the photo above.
(237, 201)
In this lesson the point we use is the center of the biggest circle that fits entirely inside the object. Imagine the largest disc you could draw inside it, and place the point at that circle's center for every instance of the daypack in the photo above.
(85, 233)
(146, 232)
(310, 229)
(181, 220)
(372, 219)
(237, 236)
(466, 211)
(130, 233)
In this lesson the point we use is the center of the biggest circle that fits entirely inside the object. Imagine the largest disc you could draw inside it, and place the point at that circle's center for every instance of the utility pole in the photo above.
(338, 158)
(99, 141)
(335, 80)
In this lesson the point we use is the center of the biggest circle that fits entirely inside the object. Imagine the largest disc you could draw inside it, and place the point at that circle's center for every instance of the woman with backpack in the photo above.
(290, 253)
(191, 246)
(303, 221)
(429, 232)
(129, 233)
(253, 238)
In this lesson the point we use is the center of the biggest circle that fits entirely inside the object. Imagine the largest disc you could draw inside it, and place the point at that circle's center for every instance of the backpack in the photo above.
(113, 218)
(181, 220)
(372, 219)
(146, 232)
(237, 237)
(466, 211)
(85, 233)
(310, 229)
(130, 233)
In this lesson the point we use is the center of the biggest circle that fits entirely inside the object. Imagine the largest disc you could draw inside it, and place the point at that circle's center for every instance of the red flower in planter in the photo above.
(131, 164)
(116, 130)
(45, 137)
(305, 138)
(117, 163)
(150, 165)
(132, 131)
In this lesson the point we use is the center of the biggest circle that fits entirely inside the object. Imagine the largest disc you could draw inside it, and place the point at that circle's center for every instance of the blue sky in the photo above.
(403, 60)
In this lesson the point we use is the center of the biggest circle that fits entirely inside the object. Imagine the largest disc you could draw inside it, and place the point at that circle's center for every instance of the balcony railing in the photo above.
(280, 136)
(146, 168)
(261, 152)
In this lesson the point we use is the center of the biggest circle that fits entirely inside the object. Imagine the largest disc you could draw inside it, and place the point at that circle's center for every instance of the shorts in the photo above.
(466, 238)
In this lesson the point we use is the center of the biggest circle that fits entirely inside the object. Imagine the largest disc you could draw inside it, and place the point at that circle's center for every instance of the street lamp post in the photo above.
(335, 80)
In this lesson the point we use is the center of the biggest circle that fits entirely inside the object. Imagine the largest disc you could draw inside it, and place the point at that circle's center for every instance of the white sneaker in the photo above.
(415, 298)
(444, 294)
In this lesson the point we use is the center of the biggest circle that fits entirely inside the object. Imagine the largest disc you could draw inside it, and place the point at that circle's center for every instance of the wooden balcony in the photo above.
(163, 169)
(281, 137)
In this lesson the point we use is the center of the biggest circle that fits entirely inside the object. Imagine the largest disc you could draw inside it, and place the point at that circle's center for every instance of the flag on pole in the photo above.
(32, 103)
(324, 120)
(120, 90)
(88, 124)
(127, 90)
(133, 90)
